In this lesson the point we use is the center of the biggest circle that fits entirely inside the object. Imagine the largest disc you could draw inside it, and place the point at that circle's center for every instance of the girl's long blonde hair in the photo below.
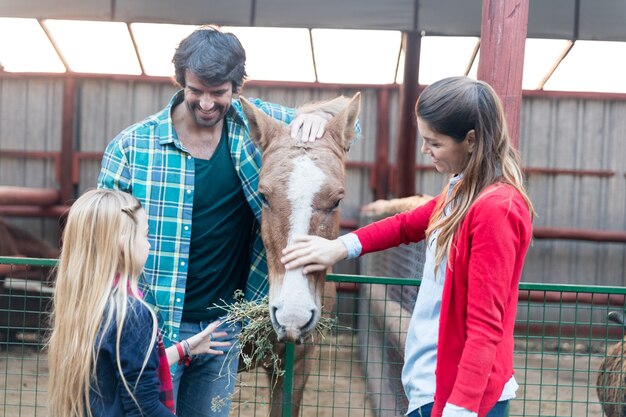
(97, 273)
(454, 106)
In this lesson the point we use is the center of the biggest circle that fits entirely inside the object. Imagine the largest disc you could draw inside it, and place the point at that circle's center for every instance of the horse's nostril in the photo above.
(309, 323)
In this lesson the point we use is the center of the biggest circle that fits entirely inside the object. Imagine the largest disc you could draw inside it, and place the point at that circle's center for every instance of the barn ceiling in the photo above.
(576, 45)
(561, 19)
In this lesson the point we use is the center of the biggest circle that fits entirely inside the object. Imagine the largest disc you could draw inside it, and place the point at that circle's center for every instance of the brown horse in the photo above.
(611, 382)
(302, 184)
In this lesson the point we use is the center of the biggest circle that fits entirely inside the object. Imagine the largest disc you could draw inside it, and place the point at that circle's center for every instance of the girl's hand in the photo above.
(201, 342)
(314, 253)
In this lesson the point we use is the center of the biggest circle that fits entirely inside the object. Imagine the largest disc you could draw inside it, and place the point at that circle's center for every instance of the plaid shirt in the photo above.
(149, 161)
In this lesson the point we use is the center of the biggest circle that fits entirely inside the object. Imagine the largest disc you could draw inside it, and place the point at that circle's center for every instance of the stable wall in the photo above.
(586, 136)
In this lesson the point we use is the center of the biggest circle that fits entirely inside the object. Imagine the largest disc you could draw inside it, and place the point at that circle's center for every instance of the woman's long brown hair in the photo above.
(453, 107)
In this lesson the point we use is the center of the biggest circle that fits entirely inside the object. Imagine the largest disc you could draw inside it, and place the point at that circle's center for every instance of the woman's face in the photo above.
(448, 156)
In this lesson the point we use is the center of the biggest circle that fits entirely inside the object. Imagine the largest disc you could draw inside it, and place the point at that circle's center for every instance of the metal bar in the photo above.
(575, 172)
(591, 95)
(6, 153)
(136, 48)
(288, 379)
(33, 211)
(592, 235)
(30, 196)
(365, 279)
(11, 260)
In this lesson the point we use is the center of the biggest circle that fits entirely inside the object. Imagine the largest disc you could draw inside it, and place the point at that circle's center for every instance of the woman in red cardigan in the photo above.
(459, 346)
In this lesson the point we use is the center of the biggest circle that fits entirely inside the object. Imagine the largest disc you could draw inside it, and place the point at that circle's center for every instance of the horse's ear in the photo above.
(262, 127)
(345, 121)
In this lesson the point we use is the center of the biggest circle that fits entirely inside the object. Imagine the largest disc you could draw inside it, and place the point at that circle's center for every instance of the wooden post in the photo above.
(67, 140)
(381, 167)
(502, 42)
(407, 127)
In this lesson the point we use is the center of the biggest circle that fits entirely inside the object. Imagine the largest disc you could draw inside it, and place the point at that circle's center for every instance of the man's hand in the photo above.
(309, 126)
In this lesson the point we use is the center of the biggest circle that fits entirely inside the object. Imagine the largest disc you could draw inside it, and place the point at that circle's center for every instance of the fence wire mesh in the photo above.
(562, 339)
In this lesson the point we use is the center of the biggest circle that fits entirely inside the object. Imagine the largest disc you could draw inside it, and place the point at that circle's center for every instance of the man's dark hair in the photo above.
(211, 55)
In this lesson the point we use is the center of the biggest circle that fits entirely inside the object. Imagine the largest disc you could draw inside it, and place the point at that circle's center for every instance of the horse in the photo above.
(611, 382)
(302, 185)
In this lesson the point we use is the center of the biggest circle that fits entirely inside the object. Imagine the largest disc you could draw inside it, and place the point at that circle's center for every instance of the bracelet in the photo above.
(187, 349)
(181, 353)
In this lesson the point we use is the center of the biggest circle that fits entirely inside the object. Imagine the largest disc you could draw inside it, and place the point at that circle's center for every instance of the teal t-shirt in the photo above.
(219, 254)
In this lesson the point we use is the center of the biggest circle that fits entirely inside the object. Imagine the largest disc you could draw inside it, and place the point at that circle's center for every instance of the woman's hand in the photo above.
(314, 253)
(201, 342)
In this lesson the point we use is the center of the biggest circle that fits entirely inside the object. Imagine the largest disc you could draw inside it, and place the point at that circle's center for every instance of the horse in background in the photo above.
(302, 184)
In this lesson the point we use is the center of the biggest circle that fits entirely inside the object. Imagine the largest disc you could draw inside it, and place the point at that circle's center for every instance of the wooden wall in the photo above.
(556, 133)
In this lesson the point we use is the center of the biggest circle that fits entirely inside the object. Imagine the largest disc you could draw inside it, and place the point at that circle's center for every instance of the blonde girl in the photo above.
(458, 358)
(105, 355)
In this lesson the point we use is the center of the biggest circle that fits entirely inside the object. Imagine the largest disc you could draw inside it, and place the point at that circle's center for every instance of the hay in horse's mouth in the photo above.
(258, 333)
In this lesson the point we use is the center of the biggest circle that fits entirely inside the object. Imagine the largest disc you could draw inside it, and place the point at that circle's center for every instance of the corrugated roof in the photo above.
(561, 19)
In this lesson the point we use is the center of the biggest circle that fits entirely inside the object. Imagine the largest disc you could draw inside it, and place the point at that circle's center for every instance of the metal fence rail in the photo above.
(562, 337)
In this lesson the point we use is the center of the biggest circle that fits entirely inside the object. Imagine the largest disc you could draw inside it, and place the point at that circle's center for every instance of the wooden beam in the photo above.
(66, 185)
(381, 168)
(407, 126)
(502, 41)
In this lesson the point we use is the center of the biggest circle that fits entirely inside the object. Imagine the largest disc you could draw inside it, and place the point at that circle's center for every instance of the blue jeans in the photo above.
(498, 410)
(206, 386)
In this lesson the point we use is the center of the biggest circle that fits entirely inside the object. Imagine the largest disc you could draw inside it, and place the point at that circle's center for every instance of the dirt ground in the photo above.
(550, 385)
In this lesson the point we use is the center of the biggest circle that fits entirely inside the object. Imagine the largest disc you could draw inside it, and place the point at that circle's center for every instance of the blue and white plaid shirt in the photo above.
(149, 161)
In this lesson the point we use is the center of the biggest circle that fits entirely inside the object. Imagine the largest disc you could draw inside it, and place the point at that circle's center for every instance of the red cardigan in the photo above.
(475, 347)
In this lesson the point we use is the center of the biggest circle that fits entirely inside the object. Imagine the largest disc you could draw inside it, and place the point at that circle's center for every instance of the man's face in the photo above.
(207, 104)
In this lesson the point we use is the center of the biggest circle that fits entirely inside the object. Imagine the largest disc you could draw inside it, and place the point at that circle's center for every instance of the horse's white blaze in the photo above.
(295, 302)
(305, 181)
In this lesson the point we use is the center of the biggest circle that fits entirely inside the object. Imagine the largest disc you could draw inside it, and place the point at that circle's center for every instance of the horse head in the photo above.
(302, 184)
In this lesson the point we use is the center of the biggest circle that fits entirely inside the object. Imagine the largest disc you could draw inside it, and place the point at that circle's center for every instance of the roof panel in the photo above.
(449, 17)
(195, 12)
(95, 47)
(356, 56)
(551, 19)
(436, 64)
(591, 66)
(27, 35)
(57, 9)
(364, 14)
(266, 62)
(602, 20)
(599, 19)
(156, 44)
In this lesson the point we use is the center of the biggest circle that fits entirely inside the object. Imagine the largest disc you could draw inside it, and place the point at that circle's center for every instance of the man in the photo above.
(195, 170)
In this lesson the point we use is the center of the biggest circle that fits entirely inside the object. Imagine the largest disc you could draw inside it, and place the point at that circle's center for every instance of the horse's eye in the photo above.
(336, 205)
(264, 201)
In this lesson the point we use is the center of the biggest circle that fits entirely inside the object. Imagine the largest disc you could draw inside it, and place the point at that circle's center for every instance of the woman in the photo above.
(478, 231)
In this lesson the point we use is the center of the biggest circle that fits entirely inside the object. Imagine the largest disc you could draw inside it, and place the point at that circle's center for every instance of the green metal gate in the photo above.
(562, 336)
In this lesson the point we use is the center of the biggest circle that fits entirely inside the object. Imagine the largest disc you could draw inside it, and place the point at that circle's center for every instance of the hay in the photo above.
(258, 334)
